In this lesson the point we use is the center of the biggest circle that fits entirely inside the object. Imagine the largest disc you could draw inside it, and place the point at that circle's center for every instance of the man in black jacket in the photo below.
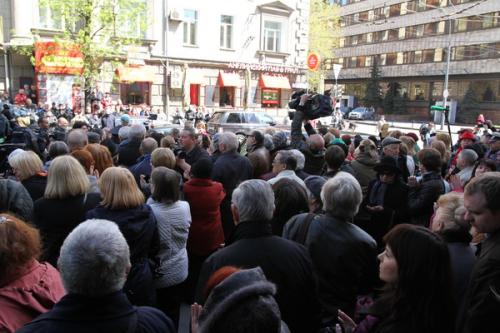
(482, 303)
(285, 263)
(129, 151)
(94, 263)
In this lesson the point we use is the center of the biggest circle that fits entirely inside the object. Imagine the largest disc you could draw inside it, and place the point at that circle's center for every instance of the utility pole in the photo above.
(447, 73)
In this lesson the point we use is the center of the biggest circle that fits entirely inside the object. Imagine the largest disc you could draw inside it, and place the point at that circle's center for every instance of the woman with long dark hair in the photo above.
(417, 297)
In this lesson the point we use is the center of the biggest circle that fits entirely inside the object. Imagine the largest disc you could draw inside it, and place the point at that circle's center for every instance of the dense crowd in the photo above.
(115, 228)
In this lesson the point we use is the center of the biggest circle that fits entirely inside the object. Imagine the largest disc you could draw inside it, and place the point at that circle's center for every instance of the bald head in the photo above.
(77, 139)
(316, 142)
(148, 145)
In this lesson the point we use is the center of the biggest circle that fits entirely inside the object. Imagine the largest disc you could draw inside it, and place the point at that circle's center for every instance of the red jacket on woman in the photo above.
(205, 233)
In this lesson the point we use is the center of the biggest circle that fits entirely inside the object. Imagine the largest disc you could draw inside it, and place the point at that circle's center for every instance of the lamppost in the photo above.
(336, 71)
(447, 73)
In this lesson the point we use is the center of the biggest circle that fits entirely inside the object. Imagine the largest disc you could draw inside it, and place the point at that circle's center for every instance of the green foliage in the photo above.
(373, 92)
(394, 101)
(100, 27)
(324, 35)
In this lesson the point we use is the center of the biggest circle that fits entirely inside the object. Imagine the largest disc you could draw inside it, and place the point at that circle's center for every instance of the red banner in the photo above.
(55, 58)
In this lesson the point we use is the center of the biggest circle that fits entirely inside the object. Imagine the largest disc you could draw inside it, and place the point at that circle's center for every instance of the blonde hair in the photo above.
(453, 211)
(119, 189)
(441, 148)
(163, 157)
(66, 178)
(445, 137)
(27, 164)
(409, 144)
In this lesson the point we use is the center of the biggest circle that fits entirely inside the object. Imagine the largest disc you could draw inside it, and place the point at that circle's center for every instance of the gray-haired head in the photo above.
(124, 132)
(148, 145)
(301, 160)
(341, 195)
(137, 132)
(468, 157)
(94, 259)
(77, 139)
(268, 142)
(254, 200)
(228, 142)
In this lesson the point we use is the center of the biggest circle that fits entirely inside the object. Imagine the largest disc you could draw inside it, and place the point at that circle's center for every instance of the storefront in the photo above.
(58, 70)
(135, 84)
(271, 87)
(228, 83)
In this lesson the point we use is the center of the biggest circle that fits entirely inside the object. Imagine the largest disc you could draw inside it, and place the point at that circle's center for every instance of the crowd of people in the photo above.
(116, 228)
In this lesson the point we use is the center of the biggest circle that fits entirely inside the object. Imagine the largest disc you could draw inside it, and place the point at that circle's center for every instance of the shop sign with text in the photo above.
(264, 68)
(55, 58)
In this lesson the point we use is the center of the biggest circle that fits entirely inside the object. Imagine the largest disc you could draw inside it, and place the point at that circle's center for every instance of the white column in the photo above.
(22, 17)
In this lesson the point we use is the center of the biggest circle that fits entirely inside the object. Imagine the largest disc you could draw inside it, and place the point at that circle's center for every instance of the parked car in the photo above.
(238, 122)
(362, 113)
(345, 110)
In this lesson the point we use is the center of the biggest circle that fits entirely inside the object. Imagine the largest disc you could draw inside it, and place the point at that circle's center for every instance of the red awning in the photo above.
(136, 74)
(228, 79)
(274, 81)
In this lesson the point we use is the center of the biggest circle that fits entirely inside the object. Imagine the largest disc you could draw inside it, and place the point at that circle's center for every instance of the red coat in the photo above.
(32, 294)
(20, 99)
(205, 233)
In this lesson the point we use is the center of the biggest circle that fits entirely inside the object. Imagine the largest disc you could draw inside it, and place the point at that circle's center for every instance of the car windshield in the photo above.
(216, 116)
(264, 118)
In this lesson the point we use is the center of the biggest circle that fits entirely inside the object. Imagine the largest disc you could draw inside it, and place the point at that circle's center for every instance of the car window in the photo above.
(216, 117)
(233, 118)
(252, 118)
(264, 118)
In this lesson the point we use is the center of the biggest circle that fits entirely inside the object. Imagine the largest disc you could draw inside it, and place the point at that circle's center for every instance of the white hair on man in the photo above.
(254, 200)
(77, 139)
(137, 131)
(341, 195)
(94, 259)
(229, 140)
(124, 132)
(468, 157)
(301, 160)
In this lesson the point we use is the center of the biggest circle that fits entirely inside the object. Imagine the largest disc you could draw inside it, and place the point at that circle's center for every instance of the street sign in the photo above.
(438, 108)
(313, 61)
(336, 70)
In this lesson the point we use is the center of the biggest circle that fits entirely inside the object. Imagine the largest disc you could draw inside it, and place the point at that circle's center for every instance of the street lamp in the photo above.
(446, 93)
(336, 71)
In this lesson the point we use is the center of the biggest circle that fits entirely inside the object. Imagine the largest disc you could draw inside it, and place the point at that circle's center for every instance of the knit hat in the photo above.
(280, 140)
(413, 136)
(387, 164)
(248, 288)
(337, 141)
(314, 184)
(390, 141)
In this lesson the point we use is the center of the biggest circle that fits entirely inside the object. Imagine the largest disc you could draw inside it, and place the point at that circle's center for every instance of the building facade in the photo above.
(410, 39)
(221, 54)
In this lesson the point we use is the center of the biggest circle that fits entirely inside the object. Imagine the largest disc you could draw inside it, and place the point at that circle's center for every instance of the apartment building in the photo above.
(410, 39)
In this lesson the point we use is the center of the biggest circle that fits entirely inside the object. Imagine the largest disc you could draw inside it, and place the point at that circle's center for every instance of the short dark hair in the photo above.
(334, 157)
(259, 137)
(41, 119)
(165, 184)
(191, 132)
(430, 159)
(202, 168)
(286, 157)
(58, 148)
(80, 124)
(489, 185)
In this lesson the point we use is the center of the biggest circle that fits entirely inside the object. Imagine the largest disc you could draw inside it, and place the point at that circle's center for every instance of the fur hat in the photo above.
(247, 288)
(387, 164)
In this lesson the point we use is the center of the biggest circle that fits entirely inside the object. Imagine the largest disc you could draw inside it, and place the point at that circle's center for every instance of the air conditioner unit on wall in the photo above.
(175, 15)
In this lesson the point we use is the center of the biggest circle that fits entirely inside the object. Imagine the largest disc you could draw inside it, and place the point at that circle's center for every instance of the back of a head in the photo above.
(341, 195)
(85, 158)
(137, 132)
(94, 259)
(26, 163)
(66, 178)
(290, 199)
(450, 216)
(288, 158)
(101, 155)
(93, 137)
(299, 157)
(77, 139)
(124, 132)
(468, 157)
(316, 142)
(148, 145)
(165, 185)
(202, 168)
(430, 158)
(229, 140)
(119, 189)
(254, 200)
(163, 157)
(259, 138)
(242, 302)
(334, 157)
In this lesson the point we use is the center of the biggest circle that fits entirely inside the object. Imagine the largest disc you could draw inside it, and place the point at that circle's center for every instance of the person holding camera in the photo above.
(190, 151)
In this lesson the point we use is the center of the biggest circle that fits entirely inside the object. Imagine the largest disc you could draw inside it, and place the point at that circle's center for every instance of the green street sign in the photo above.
(438, 108)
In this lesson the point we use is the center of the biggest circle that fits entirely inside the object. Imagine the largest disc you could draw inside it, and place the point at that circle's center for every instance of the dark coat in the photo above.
(421, 199)
(138, 226)
(56, 218)
(285, 263)
(15, 198)
(260, 159)
(230, 170)
(128, 153)
(142, 167)
(205, 233)
(196, 154)
(314, 160)
(36, 186)
(481, 306)
(112, 313)
(395, 210)
(344, 259)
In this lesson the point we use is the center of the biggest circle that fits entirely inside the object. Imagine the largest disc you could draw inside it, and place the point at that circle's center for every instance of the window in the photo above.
(382, 59)
(428, 55)
(360, 61)
(131, 18)
(189, 26)
(460, 25)
(419, 30)
(272, 36)
(371, 15)
(50, 18)
(368, 61)
(369, 37)
(393, 34)
(474, 23)
(438, 55)
(391, 59)
(400, 58)
(341, 42)
(226, 31)
(441, 27)
(233, 118)
(209, 95)
(402, 33)
(395, 10)
(404, 8)
(457, 53)
(417, 58)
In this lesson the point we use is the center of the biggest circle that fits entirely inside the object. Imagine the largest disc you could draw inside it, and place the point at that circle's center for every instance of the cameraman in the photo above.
(190, 151)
